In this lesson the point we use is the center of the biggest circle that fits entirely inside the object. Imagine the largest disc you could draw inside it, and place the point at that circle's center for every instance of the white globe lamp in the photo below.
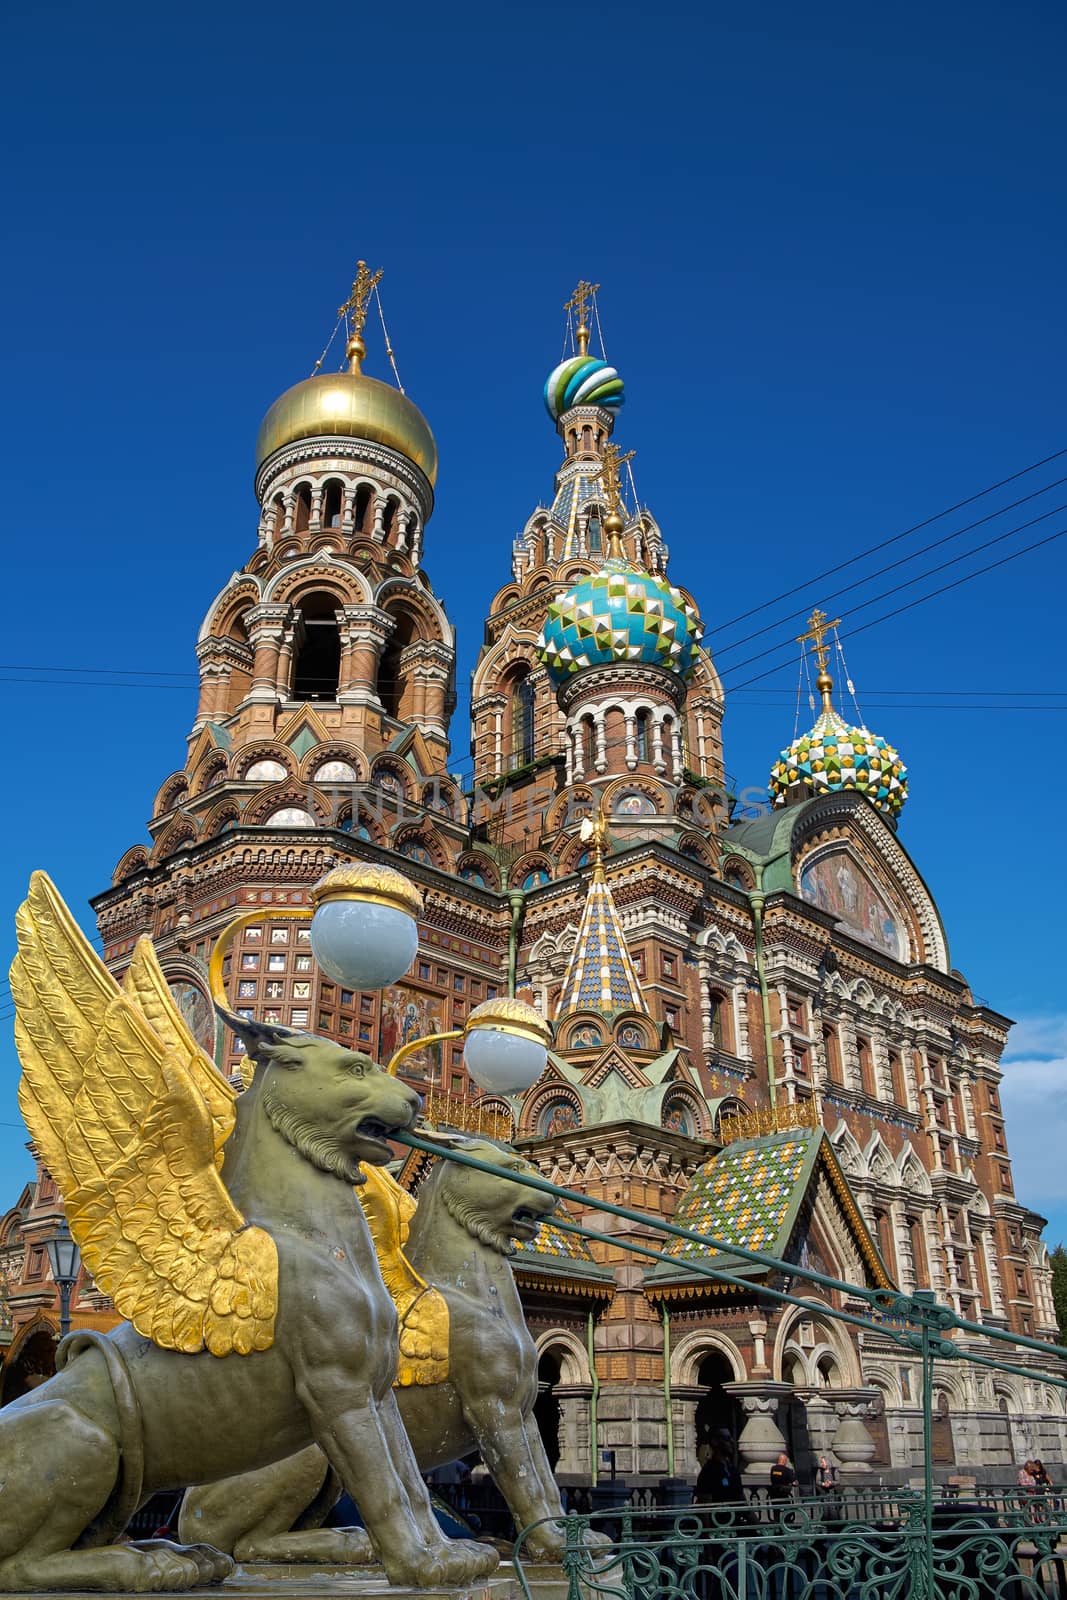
(505, 1045)
(364, 933)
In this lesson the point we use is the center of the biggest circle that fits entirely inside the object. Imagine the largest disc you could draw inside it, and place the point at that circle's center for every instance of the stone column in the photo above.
(684, 1402)
(574, 1457)
(853, 1445)
(762, 1440)
(266, 631)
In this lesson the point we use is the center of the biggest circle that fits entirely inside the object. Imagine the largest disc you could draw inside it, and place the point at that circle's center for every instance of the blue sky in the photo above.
(831, 244)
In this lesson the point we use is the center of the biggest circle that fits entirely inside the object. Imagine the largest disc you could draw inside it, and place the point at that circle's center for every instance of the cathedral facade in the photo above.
(757, 1028)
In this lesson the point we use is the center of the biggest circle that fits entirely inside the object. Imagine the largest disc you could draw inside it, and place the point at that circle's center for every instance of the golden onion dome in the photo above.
(352, 406)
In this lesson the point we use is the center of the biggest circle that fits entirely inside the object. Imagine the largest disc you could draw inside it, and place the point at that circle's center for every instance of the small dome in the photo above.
(352, 406)
(619, 615)
(834, 757)
(582, 381)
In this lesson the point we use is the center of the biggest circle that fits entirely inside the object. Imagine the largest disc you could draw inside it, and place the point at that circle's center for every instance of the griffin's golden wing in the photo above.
(149, 990)
(128, 1137)
(422, 1310)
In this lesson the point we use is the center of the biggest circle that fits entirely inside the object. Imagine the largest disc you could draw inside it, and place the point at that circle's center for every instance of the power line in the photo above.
(920, 600)
(919, 577)
(885, 543)
(892, 566)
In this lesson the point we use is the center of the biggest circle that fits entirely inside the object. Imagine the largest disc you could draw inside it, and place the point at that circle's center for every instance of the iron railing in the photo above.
(814, 1550)
(1004, 1547)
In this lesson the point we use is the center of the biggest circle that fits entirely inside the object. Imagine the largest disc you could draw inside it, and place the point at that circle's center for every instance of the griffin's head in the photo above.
(491, 1208)
(335, 1106)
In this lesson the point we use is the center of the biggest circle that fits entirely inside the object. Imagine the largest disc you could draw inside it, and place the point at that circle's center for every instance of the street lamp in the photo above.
(364, 934)
(65, 1260)
(505, 1045)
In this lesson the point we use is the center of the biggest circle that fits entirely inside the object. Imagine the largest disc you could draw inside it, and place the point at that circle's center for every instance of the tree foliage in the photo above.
(1058, 1262)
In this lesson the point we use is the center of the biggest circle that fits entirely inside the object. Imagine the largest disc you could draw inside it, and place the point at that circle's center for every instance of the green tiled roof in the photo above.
(750, 1194)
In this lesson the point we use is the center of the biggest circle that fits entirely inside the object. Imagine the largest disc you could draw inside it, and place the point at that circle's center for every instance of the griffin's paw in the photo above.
(211, 1565)
(466, 1561)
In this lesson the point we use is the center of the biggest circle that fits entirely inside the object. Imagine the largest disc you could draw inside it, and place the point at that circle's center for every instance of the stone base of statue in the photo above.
(293, 1582)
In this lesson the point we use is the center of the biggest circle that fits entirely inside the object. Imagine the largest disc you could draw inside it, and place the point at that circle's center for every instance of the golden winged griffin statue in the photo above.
(282, 1294)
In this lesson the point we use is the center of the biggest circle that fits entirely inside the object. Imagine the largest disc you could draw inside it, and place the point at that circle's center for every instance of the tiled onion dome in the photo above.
(619, 615)
(582, 381)
(833, 757)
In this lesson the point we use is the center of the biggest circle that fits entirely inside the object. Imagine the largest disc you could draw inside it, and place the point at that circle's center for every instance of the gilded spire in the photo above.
(818, 628)
(355, 307)
(601, 975)
(612, 462)
(577, 303)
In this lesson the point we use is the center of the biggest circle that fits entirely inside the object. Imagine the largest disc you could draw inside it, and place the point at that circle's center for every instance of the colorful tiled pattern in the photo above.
(744, 1194)
(552, 1241)
(601, 976)
(833, 757)
(582, 381)
(619, 615)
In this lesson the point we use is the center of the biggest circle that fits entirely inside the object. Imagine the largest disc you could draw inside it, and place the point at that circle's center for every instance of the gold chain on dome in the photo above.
(770, 1119)
(355, 309)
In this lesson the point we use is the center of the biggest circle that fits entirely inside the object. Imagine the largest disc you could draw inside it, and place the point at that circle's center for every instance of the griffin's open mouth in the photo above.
(525, 1221)
(374, 1131)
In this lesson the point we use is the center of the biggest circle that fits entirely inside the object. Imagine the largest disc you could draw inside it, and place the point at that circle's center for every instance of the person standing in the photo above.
(718, 1481)
(825, 1478)
(782, 1480)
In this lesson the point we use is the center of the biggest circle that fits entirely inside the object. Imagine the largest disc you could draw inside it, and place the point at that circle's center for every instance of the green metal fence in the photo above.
(993, 1547)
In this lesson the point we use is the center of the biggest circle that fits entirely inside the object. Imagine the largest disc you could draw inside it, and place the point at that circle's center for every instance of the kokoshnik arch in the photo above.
(757, 1029)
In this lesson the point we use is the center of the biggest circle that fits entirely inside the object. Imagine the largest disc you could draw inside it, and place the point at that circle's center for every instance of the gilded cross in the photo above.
(577, 303)
(363, 287)
(613, 461)
(818, 628)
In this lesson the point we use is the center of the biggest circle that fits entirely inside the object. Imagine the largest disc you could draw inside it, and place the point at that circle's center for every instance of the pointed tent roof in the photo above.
(751, 1193)
(601, 975)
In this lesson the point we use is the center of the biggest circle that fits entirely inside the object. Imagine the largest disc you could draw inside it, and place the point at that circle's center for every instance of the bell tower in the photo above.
(592, 671)
(330, 638)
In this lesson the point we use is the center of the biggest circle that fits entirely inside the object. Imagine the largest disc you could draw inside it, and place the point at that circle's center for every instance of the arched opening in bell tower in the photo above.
(317, 668)
(392, 685)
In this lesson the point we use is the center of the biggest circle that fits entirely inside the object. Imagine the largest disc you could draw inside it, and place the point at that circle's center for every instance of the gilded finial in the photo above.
(613, 461)
(594, 833)
(363, 286)
(577, 303)
(818, 628)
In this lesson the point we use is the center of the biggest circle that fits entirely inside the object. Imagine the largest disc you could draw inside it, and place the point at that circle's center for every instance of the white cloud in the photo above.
(1035, 1109)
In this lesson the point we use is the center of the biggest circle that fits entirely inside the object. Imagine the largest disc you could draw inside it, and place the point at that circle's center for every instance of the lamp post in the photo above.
(364, 933)
(65, 1260)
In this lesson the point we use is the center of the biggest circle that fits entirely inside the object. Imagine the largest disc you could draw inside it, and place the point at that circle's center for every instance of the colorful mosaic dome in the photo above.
(582, 381)
(619, 615)
(833, 757)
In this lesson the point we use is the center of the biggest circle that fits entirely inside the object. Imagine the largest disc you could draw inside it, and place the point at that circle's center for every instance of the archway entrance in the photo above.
(547, 1413)
(33, 1364)
(716, 1409)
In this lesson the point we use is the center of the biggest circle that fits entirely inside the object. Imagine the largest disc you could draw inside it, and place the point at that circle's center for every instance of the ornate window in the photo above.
(335, 772)
(836, 883)
(416, 851)
(290, 817)
(557, 1116)
(523, 699)
(678, 1117)
(642, 735)
(265, 771)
